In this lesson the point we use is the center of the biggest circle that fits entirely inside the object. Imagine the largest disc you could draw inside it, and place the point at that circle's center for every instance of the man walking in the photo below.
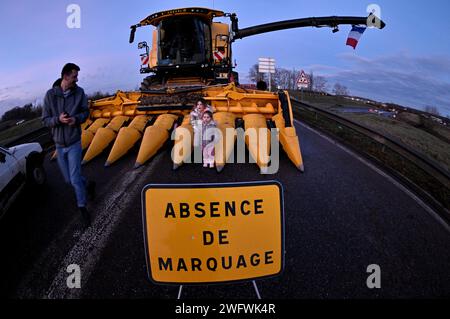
(65, 108)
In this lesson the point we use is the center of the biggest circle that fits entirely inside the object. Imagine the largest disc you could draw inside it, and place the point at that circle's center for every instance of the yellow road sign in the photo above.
(211, 233)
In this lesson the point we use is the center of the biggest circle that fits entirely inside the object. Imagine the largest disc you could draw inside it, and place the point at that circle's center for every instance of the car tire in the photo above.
(38, 175)
(36, 172)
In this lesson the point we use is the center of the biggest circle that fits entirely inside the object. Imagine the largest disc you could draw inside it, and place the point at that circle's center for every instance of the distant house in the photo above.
(436, 119)
(20, 122)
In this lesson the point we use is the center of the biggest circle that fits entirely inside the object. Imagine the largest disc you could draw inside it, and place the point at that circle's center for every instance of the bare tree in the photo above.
(254, 75)
(432, 110)
(320, 84)
(311, 81)
(293, 79)
(22, 113)
(340, 89)
(99, 95)
(283, 79)
(286, 79)
(275, 78)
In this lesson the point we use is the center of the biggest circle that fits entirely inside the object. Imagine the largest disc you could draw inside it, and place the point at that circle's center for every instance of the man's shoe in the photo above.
(90, 189)
(85, 216)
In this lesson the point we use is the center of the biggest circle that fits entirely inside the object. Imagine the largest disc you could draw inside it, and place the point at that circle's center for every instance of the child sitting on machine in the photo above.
(208, 138)
(196, 119)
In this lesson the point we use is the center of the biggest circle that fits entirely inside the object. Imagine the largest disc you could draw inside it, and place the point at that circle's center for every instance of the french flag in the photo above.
(354, 36)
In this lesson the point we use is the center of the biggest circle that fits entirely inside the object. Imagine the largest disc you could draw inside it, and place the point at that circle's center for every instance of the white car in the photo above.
(19, 165)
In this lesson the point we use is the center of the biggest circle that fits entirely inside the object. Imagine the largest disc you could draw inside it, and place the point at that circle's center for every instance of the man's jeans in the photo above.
(69, 161)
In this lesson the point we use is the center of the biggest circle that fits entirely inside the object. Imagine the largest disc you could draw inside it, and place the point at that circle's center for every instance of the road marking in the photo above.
(430, 211)
(87, 251)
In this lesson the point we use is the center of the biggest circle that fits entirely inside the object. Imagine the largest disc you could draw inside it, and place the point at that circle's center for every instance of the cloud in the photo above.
(98, 73)
(401, 78)
(415, 81)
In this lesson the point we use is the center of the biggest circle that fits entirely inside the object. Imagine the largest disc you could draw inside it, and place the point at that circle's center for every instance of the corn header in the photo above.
(191, 58)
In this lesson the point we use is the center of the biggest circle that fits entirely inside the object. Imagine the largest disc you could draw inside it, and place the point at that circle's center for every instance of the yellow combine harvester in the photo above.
(190, 58)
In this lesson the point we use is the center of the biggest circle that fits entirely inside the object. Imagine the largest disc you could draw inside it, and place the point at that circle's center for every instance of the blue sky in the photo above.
(407, 63)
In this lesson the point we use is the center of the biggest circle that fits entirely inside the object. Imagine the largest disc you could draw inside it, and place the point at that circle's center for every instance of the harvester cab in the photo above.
(186, 43)
(183, 41)
(190, 59)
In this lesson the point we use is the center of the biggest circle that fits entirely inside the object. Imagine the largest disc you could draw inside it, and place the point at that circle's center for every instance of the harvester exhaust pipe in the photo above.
(133, 32)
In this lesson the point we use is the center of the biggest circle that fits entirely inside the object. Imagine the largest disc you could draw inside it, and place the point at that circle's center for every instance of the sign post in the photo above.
(302, 82)
(267, 65)
(213, 233)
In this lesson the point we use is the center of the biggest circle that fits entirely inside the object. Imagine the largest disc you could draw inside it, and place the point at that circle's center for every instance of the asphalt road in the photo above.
(341, 215)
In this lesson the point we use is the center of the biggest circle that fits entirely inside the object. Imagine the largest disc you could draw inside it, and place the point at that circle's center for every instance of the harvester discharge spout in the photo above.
(318, 22)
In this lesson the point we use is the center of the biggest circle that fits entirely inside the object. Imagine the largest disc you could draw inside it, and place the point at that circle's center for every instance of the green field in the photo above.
(416, 138)
(16, 131)
(423, 135)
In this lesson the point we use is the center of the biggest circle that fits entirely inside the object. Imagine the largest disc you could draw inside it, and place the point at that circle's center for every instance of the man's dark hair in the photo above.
(68, 68)
(203, 101)
(261, 85)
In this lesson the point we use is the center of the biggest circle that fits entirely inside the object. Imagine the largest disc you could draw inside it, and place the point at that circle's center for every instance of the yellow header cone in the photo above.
(184, 138)
(225, 144)
(289, 141)
(291, 145)
(257, 138)
(127, 137)
(165, 121)
(86, 139)
(154, 138)
(86, 124)
(104, 137)
(87, 135)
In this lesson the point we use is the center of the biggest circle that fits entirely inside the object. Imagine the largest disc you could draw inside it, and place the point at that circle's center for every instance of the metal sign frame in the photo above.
(212, 185)
(267, 65)
(303, 76)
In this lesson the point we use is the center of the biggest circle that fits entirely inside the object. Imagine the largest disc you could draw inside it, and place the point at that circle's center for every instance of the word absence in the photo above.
(209, 233)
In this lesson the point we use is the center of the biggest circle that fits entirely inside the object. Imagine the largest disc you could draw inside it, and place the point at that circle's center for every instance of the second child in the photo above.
(209, 135)
(196, 119)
